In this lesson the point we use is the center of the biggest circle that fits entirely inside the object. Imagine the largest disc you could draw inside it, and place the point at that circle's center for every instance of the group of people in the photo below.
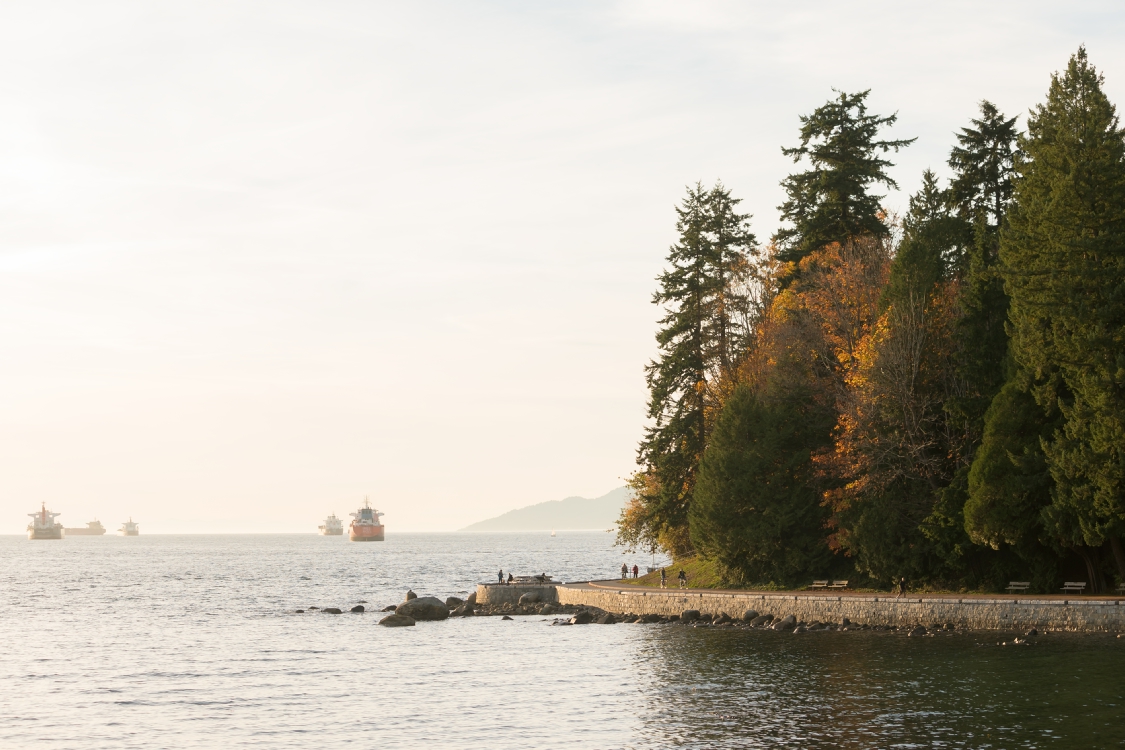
(663, 575)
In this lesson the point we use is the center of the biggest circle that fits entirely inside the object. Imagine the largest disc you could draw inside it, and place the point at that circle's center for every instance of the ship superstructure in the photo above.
(365, 526)
(129, 528)
(92, 528)
(332, 526)
(43, 525)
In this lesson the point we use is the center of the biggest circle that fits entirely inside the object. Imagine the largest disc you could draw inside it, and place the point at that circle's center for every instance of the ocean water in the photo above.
(193, 642)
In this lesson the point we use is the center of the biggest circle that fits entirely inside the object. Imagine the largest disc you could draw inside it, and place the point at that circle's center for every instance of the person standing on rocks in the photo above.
(683, 579)
(635, 571)
(663, 578)
(624, 571)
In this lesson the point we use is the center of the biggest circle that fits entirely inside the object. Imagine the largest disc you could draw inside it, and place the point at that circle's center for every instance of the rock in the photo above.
(505, 617)
(300, 611)
(396, 621)
(650, 619)
(410, 595)
(1032, 632)
(333, 611)
(472, 598)
(465, 610)
(358, 608)
(786, 623)
(453, 602)
(424, 608)
(530, 597)
(607, 619)
(846, 622)
(918, 630)
(312, 608)
(548, 609)
(723, 619)
(761, 621)
(362, 601)
(390, 608)
(800, 629)
(689, 615)
(582, 618)
(749, 615)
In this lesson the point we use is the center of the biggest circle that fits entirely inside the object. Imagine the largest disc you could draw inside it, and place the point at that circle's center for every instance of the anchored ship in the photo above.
(332, 526)
(92, 528)
(365, 526)
(43, 525)
(129, 528)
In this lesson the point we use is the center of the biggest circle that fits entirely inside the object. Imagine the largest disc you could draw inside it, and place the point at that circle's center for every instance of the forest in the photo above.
(938, 395)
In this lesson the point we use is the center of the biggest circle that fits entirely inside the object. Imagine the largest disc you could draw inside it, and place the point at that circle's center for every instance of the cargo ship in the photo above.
(332, 526)
(365, 526)
(43, 525)
(92, 528)
(129, 528)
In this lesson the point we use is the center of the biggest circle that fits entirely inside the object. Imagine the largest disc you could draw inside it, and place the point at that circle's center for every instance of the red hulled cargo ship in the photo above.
(365, 526)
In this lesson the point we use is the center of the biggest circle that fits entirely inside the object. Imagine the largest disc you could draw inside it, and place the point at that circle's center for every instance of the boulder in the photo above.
(505, 617)
(846, 622)
(722, 619)
(531, 597)
(582, 618)
(919, 630)
(390, 608)
(761, 621)
(689, 615)
(311, 608)
(749, 615)
(396, 621)
(548, 609)
(607, 619)
(800, 629)
(453, 602)
(650, 618)
(1029, 634)
(358, 608)
(410, 595)
(333, 611)
(472, 598)
(300, 611)
(424, 608)
(786, 623)
(465, 610)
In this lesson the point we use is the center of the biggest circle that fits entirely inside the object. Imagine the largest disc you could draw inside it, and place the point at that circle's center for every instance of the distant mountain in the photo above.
(572, 513)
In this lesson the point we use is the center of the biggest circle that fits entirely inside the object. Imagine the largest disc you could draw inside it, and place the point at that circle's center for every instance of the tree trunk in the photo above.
(1091, 569)
(1118, 556)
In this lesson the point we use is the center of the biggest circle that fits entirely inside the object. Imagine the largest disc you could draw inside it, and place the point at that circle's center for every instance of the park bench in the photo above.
(1074, 587)
(838, 585)
(1121, 588)
(1017, 586)
(819, 585)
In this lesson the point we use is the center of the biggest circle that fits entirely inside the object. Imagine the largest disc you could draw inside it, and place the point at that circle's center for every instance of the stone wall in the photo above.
(1087, 615)
(491, 593)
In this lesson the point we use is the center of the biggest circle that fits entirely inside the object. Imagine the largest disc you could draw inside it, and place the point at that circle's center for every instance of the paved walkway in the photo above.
(619, 585)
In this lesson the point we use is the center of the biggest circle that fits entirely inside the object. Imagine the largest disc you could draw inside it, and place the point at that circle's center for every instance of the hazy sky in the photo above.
(261, 259)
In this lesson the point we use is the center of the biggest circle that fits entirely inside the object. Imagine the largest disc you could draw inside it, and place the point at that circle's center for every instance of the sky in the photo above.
(261, 260)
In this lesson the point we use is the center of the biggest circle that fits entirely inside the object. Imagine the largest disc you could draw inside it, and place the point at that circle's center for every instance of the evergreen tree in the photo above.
(830, 202)
(756, 509)
(1064, 265)
(698, 292)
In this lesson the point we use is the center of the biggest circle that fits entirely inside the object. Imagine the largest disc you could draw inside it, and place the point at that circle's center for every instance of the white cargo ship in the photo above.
(92, 528)
(129, 528)
(332, 526)
(43, 525)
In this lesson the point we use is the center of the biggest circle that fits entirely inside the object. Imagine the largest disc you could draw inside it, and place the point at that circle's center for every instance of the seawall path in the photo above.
(973, 612)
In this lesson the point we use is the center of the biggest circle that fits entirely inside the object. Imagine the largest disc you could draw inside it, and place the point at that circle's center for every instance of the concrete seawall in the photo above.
(493, 594)
(974, 613)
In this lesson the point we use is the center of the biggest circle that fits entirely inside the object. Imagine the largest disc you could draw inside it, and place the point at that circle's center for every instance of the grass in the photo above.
(701, 574)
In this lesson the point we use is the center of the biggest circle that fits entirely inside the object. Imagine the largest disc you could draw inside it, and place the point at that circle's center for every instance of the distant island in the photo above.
(573, 513)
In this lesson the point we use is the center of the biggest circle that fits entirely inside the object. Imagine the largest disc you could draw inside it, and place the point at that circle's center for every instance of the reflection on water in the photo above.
(193, 642)
(723, 688)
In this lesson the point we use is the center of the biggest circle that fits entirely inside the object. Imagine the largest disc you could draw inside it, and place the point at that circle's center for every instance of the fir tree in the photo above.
(1064, 265)
(830, 202)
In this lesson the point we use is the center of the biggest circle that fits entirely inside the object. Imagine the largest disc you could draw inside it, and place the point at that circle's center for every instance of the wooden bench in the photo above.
(1017, 586)
(838, 585)
(1074, 587)
(1121, 588)
(819, 585)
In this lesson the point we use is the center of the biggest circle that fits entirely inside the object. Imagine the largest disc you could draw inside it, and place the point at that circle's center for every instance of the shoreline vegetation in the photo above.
(936, 397)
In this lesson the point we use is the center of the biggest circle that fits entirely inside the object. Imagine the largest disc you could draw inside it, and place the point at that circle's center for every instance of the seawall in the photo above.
(973, 613)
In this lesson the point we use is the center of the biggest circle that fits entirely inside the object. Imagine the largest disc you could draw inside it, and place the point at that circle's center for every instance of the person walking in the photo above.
(663, 579)
(901, 586)
(624, 571)
(500, 577)
(635, 571)
(683, 579)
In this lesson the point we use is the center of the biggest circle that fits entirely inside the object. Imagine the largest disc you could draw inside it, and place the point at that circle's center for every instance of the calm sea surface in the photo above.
(192, 641)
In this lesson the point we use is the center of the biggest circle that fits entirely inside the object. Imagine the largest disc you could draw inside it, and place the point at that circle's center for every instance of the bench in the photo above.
(1074, 587)
(819, 585)
(1121, 588)
(1016, 586)
(838, 585)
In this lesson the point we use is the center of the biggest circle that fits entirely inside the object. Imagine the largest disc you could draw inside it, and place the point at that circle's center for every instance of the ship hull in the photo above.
(332, 532)
(128, 533)
(366, 533)
(84, 532)
(45, 534)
